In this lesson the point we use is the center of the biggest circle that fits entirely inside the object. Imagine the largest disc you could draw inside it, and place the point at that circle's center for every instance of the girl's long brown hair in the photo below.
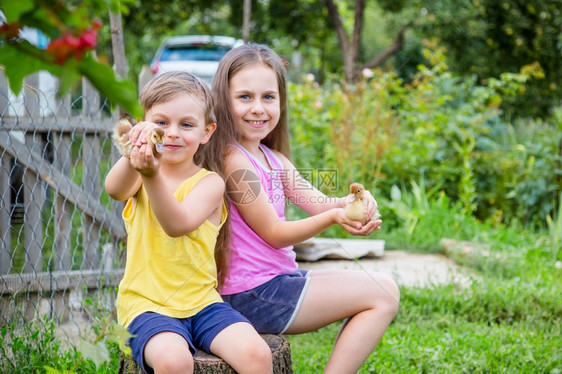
(238, 59)
(167, 86)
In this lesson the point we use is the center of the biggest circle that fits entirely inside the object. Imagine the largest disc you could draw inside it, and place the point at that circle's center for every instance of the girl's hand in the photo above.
(355, 227)
(371, 207)
(369, 203)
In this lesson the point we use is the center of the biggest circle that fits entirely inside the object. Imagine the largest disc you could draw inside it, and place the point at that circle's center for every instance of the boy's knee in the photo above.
(257, 355)
(174, 363)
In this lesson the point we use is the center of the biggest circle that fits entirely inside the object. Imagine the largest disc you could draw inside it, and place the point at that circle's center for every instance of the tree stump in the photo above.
(210, 364)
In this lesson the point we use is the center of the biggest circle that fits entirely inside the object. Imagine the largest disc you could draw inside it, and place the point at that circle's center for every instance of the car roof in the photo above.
(201, 39)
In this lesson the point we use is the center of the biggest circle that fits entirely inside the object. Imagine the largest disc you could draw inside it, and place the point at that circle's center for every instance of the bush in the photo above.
(440, 128)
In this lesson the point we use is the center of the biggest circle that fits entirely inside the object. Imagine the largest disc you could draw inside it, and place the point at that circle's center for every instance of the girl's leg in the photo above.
(370, 301)
(168, 352)
(243, 348)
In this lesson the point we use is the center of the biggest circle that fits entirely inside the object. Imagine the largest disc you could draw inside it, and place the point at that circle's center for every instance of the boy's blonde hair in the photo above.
(171, 84)
(166, 87)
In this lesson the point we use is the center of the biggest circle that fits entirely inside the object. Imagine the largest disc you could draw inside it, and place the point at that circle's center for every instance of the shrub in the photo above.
(440, 128)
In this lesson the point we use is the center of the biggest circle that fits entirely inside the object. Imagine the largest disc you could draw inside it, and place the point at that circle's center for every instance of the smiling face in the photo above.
(183, 120)
(254, 95)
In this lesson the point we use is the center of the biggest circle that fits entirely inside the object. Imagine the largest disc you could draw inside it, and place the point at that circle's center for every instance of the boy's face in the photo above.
(183, 121)
(254, 95)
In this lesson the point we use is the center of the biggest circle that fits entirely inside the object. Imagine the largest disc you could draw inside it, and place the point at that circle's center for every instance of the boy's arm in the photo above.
(262, 218)
(122, 181)
(180, 218)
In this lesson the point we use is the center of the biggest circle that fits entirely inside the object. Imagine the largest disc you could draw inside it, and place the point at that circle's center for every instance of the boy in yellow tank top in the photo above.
(168, 297)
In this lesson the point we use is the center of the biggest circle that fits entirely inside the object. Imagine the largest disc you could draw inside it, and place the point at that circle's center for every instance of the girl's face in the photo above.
(183, 121)
(254, 96)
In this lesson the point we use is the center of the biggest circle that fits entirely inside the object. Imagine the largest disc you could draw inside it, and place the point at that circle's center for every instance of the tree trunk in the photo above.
(345, 44)
(118, 48)
(350, 48)
(209, 364)
(246, 25)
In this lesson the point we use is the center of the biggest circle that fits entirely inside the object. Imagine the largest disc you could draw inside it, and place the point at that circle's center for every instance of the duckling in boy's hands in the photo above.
(355, 210)
(123, 143)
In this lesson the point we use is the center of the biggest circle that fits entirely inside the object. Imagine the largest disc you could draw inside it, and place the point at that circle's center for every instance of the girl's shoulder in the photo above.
(235, 158)
(285, 162)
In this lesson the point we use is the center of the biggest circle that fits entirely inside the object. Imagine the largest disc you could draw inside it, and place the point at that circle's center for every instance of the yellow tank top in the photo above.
(176, 277)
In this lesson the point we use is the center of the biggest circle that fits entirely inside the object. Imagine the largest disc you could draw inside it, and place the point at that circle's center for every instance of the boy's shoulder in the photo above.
(209, 176)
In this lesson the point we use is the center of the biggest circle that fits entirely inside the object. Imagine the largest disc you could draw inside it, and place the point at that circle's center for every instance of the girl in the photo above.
(175, 209)
(264, 282)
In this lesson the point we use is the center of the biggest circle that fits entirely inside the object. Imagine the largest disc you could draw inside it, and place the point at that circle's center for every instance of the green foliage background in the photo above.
(441, 130)
(488, 37)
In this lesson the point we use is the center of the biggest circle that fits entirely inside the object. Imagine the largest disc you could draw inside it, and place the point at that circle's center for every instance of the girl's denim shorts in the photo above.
(272, 306)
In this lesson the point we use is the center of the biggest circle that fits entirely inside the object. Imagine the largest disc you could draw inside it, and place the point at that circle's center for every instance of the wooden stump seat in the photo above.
(210, 364)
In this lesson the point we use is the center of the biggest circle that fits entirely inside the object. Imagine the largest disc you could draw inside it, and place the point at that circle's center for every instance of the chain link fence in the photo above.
(61, 235)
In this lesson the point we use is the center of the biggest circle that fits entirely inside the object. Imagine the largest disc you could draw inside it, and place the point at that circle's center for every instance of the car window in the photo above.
(203, 52)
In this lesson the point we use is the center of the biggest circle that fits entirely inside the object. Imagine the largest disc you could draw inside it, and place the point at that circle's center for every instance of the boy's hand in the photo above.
(143, 158)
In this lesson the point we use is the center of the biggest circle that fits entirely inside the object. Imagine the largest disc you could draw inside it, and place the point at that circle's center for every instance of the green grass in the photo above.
(443, 329)
(497, 325)
(508, 321)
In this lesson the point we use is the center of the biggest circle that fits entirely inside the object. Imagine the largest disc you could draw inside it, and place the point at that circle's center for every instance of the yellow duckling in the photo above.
(355, 210)
(123, 143)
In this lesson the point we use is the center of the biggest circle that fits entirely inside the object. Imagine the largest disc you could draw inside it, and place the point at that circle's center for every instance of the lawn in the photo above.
(508, 320)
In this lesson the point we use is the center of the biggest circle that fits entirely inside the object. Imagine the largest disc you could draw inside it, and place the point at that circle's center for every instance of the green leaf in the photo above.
(50, 370)
(120, 335)
(118, 91)
(68, 77)
(97, 352)
(14, 9)
(18, 66)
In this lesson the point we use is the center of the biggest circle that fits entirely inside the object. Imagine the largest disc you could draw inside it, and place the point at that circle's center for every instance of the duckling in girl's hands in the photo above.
(123, 143)
(355, 210)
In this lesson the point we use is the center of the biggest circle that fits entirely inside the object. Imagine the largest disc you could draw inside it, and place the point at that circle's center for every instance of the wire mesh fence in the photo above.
(60, 233)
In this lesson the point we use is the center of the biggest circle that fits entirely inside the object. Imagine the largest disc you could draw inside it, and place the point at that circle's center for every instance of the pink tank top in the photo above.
(253, 261)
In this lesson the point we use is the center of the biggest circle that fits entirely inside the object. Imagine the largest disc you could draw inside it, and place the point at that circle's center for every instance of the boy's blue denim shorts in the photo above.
(198, 330)
(272, 306)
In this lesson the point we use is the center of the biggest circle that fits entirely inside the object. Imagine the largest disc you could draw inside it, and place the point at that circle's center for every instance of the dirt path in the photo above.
(408, 269)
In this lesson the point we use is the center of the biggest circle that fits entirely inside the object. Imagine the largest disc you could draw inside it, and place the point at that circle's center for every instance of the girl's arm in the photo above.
(122, 181)
(262, 218)
(180, 218)
(303, 194)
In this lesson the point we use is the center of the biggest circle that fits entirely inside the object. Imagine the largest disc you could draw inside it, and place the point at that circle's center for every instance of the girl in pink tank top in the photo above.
(264, 282)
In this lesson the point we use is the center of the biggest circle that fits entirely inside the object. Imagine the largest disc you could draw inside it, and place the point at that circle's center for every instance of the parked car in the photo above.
(196, 54)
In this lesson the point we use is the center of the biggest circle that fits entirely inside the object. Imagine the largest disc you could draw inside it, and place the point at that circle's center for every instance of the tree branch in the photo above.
(396, 46)
(357, 30)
